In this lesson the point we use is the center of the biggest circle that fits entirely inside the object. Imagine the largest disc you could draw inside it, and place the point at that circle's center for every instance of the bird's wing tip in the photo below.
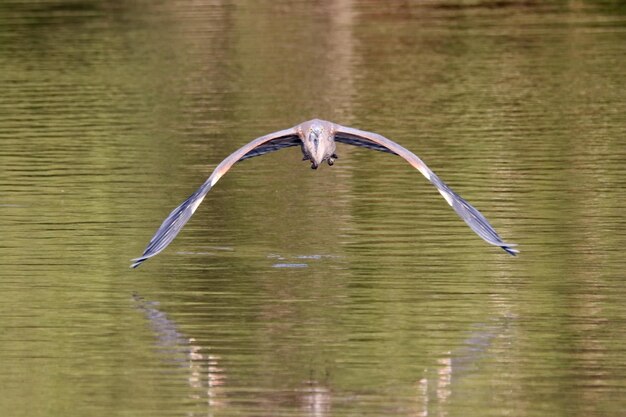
(508, 248)
(137, 261)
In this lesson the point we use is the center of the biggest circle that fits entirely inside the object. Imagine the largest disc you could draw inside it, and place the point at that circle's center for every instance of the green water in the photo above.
(353, 290)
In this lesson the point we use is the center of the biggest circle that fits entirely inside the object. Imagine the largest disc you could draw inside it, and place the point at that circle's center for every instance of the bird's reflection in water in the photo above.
(438, 385)
(205, 376)
(316, 400)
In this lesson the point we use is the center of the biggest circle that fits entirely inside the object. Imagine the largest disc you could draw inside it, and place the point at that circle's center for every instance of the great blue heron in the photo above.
(317, 140)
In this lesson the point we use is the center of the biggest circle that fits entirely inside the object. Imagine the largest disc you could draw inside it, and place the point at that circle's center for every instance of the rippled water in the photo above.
(350, 290)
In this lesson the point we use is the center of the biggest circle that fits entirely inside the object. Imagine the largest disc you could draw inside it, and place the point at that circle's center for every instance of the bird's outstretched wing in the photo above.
(474, 219)
(181, 214)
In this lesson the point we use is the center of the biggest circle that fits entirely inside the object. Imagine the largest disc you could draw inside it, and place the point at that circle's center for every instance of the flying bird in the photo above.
(317, 140)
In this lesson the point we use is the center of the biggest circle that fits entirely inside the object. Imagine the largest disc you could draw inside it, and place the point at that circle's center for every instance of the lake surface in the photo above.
(353, 290)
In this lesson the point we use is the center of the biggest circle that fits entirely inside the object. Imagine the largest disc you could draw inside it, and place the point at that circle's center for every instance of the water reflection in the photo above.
(315, 400)
(440, 383)
(208, 379)
(206, 376)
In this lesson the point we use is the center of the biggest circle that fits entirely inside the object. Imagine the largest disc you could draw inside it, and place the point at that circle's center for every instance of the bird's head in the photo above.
(318, 142)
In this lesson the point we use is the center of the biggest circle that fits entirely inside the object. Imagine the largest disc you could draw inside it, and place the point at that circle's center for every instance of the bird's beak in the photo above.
(315, 149)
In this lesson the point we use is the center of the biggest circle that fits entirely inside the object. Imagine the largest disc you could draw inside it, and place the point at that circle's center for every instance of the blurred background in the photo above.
(353, 290)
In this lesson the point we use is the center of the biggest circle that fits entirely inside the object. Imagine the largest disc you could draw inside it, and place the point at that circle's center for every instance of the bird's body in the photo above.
(317, 139)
